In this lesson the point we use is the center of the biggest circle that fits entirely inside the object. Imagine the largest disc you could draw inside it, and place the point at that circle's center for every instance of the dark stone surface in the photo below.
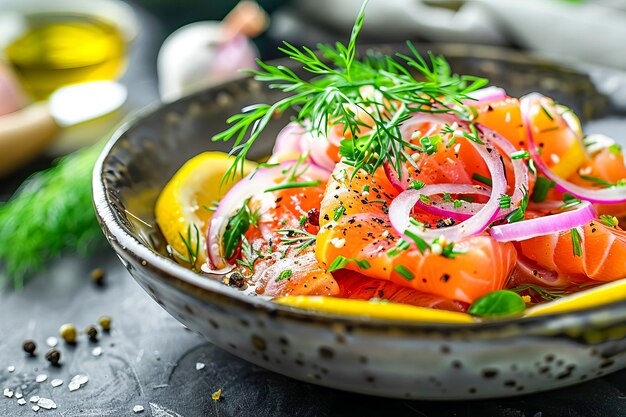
(149, 359)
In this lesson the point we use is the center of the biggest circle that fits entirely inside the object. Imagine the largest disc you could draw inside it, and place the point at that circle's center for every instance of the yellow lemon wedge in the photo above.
(606, 293)
(377, 310)
(182, 209)
(570, 161)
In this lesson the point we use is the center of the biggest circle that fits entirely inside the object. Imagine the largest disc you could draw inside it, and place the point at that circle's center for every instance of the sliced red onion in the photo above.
(444, 209)
(485, 95)
(582, 214)
(609, 195)
(401, 207)
(253, 185)
(393, 177)
(288, 140)
(520, 170)
(317, 146)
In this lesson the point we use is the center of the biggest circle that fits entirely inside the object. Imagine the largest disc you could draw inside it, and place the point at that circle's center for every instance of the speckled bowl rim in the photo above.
(111, 226)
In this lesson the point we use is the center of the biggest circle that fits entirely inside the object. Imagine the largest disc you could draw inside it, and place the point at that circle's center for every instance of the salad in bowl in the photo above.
(398, 183)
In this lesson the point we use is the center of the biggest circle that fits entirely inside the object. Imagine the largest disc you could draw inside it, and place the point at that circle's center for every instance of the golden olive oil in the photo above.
(57, 50)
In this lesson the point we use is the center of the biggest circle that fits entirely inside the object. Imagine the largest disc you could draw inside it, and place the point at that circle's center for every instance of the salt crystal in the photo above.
(41, 378)
(21, 401)
(11, 369)
(56, 382)
(46, 403)
(34, 398)
(83, 379)
(97, 351)
(138, 409)
(35, 408)
(8, 393)
(52, 341)
(73, 386)
(18, 395)
(199, 366)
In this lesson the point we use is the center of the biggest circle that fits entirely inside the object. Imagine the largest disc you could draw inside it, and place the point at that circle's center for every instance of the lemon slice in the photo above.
(387, 311)
(606, 293)
(183, 204)
(570, 161)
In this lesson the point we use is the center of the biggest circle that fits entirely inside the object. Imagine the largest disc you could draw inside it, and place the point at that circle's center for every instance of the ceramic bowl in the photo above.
(378, 357)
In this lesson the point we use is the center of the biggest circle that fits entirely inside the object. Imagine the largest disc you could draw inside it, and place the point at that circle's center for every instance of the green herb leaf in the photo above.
(419, 242)
(608, 220)
(416, 185)
(338, 212)
(541, 188)
(286, 274)
(425, 199)
(576, 242)
(498, 304)
(520, 154)
(341, 262)
(482, 179)
(287, 185)
(50, 214)
(405, 272)
(505, 201)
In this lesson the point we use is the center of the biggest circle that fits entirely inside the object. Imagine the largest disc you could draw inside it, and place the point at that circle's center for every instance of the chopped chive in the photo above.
(416, 185)
(451, 142)
(366, 188)
(458, 203)
(303, 220)
(425, 199)
(419, 242)
(576, 242)
(520, 154)
(531, 167)
(294, 185)
(615, 149)
(401, 246)
(546, 112)
(474, 135)
(482, 179)
(447, 198)
(338, 212)
(286, 274)
(608, 220)
(569, 201)
(597, 181)
(404, 271)
(505, 201)
(541, 188)
(341, 262)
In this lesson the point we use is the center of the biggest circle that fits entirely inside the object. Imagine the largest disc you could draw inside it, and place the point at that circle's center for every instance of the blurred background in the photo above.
(71, 70)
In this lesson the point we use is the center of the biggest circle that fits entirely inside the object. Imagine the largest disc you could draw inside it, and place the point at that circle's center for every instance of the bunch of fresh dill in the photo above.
(51, 213)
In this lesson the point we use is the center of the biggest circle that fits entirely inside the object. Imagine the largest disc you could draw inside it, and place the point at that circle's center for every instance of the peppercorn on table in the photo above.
(122, 355)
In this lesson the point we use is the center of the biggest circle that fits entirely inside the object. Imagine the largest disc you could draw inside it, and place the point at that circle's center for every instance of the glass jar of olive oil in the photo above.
(57, 48)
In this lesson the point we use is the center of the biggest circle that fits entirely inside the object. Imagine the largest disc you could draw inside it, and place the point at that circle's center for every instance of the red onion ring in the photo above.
(401, 207)
(252, 185)
(485, 95)
(288, 139)
(539, 226)
(610, 195)
(444, 209)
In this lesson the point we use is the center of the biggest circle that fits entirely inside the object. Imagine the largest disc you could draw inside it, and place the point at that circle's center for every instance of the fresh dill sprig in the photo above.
(334, 96)
(50, 214)
(192, 245)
